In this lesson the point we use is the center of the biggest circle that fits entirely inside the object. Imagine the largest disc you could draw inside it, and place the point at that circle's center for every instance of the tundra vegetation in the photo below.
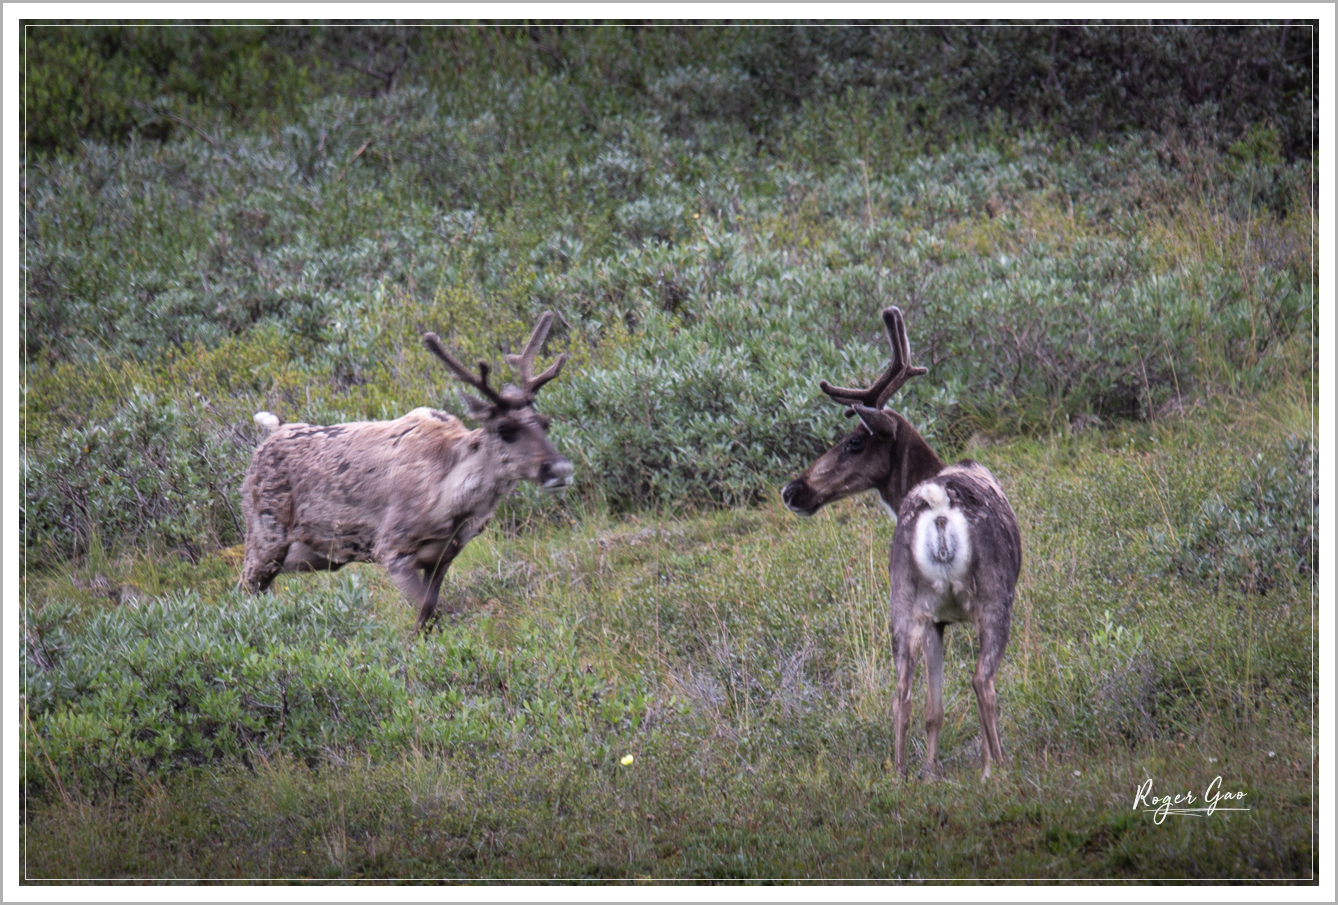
(1102, 239)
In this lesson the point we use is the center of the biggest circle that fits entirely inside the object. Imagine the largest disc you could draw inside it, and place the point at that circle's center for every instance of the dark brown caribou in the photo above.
(956, 551)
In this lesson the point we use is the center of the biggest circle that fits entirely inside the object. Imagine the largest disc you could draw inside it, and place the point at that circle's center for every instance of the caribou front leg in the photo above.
(434, 577)
(403, 571)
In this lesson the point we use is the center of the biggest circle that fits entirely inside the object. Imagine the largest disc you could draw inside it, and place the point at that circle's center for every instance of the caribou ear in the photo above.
(476, 408)
(879, 421)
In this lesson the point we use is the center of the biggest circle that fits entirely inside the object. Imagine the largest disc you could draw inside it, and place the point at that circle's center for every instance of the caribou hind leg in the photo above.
(904, 656)
(933, 696)
(992, 642)
(267, 546)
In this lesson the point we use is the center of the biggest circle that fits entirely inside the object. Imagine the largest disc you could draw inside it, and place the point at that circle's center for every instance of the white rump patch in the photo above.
(266, 421)
(942, 545)
(934, 495)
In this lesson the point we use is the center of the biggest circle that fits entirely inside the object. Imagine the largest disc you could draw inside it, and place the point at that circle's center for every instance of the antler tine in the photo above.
(897, 373)
(843, 395)
(524, 362)
(899, 370)
(532, 385)
(462, 373)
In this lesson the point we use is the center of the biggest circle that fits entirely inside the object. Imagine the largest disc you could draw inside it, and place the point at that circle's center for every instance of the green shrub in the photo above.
(178, 681)
(1074, 80)
(105, 83)
(705, 283)
(150, 474)
(110, 83)
(1264, 532)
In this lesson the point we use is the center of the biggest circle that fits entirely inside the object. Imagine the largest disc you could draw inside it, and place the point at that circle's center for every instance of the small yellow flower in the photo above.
(627, 761)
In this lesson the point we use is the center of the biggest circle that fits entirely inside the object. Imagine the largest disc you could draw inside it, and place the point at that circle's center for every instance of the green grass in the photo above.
(741, 657)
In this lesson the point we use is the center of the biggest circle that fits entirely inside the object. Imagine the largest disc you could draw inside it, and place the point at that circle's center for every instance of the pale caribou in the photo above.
(408, 493)
(956, 550)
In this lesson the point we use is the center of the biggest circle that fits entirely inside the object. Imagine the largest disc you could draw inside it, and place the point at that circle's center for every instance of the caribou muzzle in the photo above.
(555, 474)
(799, 498)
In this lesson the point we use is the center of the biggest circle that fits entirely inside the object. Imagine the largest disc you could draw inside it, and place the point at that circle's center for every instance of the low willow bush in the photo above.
(943, 81)
(704, 286)
(180, 681)
(151, 473)
(715, 413)
(1261, 533)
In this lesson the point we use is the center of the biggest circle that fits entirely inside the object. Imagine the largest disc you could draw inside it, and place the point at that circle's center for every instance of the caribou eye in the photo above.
(855, 443)
(508, 431)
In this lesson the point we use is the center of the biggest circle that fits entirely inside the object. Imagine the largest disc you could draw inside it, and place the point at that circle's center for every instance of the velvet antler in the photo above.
(462, 373)
(898, 371)
(509, 397)
(524, 362)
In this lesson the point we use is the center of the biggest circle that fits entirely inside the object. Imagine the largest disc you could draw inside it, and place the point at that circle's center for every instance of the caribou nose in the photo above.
(555, 474)
(788, 494)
